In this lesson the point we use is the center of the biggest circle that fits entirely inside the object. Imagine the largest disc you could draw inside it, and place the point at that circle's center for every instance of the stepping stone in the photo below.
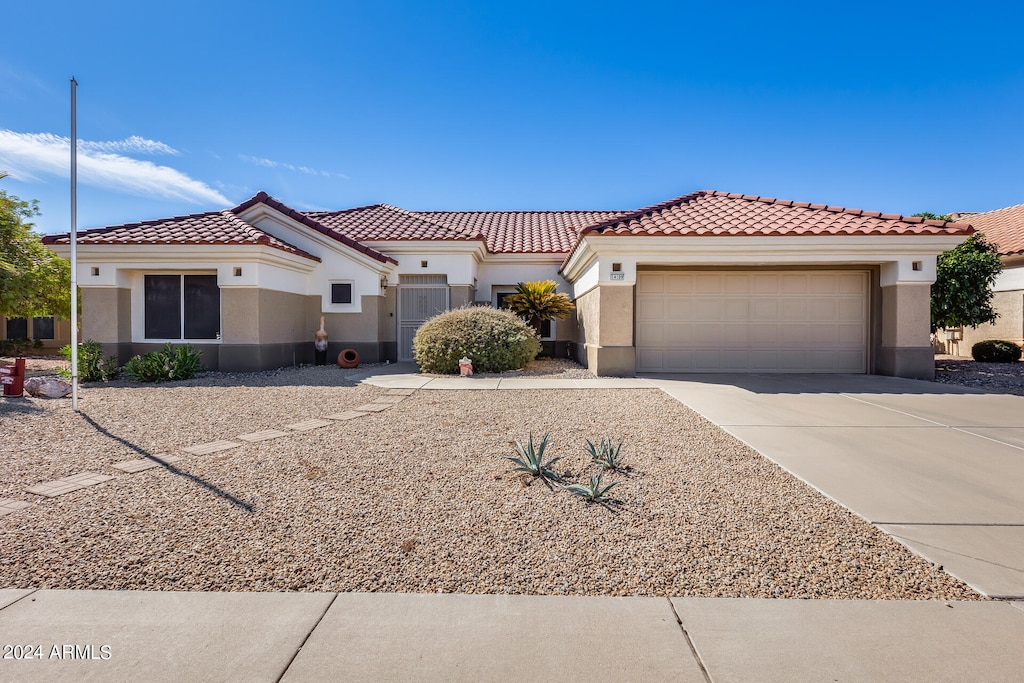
(58, 487)
(211, 447)
(400, 392)
(133, 466)
(389, 399)
(373, 407)
(9, 505)
(265, 435)
(347, 415)
(307, 425)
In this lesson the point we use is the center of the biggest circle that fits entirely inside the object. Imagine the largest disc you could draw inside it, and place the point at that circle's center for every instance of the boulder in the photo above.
(47, 387)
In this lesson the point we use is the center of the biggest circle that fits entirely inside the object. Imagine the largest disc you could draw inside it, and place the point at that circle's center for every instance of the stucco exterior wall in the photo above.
(905, 349)
(604, 331)
(1009, 325)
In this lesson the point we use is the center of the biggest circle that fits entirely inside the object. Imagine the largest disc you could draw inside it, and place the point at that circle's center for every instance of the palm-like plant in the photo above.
(605, 455)
(531, 459)
(538, 302)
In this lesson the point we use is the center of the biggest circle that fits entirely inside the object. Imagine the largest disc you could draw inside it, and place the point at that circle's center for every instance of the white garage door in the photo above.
(763, 321)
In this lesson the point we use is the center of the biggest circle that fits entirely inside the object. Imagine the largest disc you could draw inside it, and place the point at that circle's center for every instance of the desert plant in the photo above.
(91, 365)
(605, 455)
(538, 301)
(169, 363)
(494, 340)
(14, 347)
(594, 492)
(995, 351)
(531, 459)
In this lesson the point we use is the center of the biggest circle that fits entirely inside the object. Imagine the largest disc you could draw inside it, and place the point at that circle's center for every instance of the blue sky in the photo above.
(193, 106)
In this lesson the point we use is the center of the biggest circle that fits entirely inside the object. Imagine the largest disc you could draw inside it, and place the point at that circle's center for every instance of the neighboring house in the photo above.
(1005, 229)
(707, 282)
(52, 333)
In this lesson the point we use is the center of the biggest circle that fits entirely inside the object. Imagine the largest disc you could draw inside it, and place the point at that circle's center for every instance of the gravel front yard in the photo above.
(417, 498)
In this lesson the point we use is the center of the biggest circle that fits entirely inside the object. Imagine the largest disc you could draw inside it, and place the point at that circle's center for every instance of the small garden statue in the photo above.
(465, 367)
(320, 344)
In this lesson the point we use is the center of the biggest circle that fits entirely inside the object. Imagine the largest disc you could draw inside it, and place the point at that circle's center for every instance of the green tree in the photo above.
(962, 293)
(538, 302)
(33, 280)
(929, 216)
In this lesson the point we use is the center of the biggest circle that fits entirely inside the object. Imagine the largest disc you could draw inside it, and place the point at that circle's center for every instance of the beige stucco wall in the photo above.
(604, 330)
(107, 314)
(1009, 325)
(387, 318)
(460, 295)
(905, 349)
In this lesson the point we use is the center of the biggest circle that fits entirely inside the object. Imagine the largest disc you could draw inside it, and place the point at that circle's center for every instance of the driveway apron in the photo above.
(939, 468)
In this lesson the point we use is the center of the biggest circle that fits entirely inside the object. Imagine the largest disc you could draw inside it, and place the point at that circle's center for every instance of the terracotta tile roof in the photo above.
(1002, 227)
(720, 213)
(213, 228)
(264, 198)
(523, 232)
(383, 222)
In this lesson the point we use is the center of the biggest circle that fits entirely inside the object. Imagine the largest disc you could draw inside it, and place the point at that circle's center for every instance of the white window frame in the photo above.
(139, 310)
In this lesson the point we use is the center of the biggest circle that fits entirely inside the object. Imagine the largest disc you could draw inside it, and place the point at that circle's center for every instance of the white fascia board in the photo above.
(113, 260)
(397, 248)
(458, 259)
(531, 259)
(309, 240)
(580, 261)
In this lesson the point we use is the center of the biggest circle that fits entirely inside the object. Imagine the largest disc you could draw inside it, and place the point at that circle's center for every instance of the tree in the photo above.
(538, 302)
(34, 281)
(929, 216)
(962, 293)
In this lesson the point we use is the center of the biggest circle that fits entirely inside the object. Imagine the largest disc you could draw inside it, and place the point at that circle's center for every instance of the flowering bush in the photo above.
(495, 340)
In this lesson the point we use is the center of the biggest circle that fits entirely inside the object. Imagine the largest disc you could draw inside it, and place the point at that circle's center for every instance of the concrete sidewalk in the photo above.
(166, 636)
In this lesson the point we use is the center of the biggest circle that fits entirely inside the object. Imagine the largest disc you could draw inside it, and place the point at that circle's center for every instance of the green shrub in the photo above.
(168, 363)
(495, 340)
(91, 365)
(14, 347)
(995, 351)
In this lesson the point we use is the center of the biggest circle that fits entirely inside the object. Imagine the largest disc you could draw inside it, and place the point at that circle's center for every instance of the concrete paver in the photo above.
(160, 636)
(988, 558)
(211, 447)
(264, 435)
(849, 640)
(58, 487)
(378, 637)
(143, 464)
(346, 415)
(308, 425)
(9, 505)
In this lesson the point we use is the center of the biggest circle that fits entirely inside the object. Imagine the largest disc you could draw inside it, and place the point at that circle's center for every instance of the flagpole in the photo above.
(74, 250)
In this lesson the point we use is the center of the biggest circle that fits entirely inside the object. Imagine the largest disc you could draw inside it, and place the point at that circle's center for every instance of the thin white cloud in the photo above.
(135, 143)
(24, 155)
(270, 163)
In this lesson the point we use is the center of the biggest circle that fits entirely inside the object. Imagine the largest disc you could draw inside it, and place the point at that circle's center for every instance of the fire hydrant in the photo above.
(465, 367)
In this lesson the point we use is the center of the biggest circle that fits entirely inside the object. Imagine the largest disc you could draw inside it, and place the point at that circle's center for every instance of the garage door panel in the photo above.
(813, 321)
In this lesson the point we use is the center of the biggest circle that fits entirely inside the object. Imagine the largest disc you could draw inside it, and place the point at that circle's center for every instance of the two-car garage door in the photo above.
(752, 321)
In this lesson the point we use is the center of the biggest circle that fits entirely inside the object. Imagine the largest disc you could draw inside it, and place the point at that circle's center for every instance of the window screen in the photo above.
(202, 307)
(163, 307)
(341, 292)
(17, 328)
(42, 328)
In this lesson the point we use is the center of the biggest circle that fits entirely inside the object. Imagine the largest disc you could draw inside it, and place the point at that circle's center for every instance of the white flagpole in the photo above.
(74, 250)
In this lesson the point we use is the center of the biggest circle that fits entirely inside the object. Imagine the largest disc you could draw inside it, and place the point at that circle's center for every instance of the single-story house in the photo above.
(706, 282)
(1005, 229)
(50, 332)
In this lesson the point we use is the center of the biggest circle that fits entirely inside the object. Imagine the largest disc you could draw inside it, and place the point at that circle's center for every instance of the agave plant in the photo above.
(538, 301)
(605, 455)
(594, 493)
(531, 459)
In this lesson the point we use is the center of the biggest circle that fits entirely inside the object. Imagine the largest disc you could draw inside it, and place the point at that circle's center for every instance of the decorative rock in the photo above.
(47, 387)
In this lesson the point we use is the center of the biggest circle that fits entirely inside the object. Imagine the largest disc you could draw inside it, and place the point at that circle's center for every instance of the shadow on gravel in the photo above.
(14, 405)
(212, 488)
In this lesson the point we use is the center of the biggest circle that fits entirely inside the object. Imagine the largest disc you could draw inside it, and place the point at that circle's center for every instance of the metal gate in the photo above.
(420, 297)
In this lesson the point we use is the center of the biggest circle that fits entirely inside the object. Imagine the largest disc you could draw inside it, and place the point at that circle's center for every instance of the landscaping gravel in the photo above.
(418, 498)
(1000, 378)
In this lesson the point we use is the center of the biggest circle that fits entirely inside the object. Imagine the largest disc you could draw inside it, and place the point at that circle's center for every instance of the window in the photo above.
(545, 327)
(182, 307)
(17, 328)
(42, 328)
(341, 292)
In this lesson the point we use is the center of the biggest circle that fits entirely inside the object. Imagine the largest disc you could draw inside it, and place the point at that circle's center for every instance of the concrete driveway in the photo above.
(939, 468)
